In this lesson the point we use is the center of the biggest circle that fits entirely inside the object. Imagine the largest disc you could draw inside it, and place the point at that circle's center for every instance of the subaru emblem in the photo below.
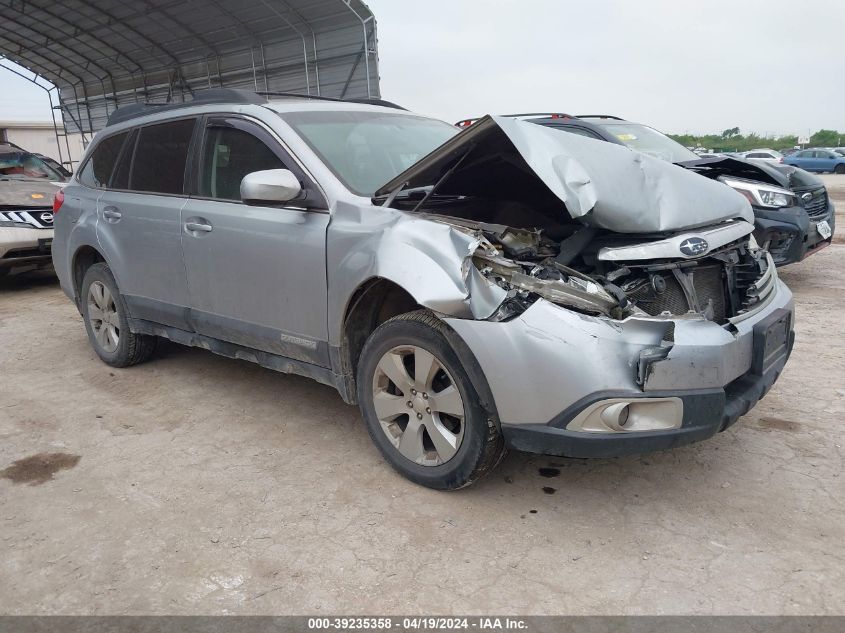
(693, 246)
(807, 197)
(46, 218)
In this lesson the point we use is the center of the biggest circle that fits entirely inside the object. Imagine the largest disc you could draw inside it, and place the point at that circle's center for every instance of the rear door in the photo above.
(256, 275)
(139, 224)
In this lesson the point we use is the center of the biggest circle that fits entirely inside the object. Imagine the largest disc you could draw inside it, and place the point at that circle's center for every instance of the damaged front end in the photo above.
(611, 294)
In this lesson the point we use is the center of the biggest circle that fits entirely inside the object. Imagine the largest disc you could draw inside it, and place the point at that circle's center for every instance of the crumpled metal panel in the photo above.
(432, 260)
(603, 185)
(102, 54)
(615, 188)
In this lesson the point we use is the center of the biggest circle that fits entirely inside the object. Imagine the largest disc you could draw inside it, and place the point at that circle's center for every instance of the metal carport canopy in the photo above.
(102, 54)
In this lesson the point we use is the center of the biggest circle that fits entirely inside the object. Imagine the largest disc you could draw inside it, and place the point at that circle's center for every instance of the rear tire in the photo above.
(840, 169)
(430, 427)
(106, 321)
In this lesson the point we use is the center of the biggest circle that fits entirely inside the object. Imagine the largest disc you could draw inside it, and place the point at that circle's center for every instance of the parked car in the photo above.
(27, 187)
(794, 215)
(818, 160)
(768, 155)
(509, 286)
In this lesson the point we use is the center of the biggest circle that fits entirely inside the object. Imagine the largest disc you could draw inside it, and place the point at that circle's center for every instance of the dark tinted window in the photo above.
(120, 178)
(160, 156)
(98, 169)
(229, 155)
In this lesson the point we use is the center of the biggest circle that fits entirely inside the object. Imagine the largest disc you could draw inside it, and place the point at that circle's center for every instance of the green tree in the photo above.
(825, 138)
(730, 133)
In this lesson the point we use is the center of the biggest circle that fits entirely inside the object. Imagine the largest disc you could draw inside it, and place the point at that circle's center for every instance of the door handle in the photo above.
(111, 214)
(198, 227)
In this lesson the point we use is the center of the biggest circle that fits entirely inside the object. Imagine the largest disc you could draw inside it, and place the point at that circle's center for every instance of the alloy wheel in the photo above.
(103, 317)
(418, 405)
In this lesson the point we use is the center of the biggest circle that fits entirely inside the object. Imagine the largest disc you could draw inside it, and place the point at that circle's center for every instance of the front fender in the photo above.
(430, 260)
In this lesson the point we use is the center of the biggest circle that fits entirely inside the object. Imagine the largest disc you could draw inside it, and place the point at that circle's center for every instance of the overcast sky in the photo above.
(770, 66)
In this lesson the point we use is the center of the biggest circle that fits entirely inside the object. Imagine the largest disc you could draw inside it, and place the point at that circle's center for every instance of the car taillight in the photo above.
(58, 200)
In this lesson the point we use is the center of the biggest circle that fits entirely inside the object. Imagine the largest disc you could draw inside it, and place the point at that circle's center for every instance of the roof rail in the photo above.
(227, 95)
(212, 95)
(548, 115)
(600, 116)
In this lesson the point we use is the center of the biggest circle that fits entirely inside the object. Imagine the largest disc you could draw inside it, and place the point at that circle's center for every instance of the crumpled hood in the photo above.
(601, 184)
(20, 193)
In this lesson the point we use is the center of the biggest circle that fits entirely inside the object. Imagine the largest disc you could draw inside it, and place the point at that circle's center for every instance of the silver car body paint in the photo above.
(537, 364)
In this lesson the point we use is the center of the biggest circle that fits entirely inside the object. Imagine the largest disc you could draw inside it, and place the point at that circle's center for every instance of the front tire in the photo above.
(421, 408)
(840, 169)
(106, 321)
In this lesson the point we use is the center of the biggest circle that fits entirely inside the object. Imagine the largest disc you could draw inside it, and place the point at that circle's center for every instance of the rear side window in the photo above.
(98, 169)
(120, 177)
(160, 157)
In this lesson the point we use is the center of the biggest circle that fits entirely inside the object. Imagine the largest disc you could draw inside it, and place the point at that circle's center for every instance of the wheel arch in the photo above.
(378, 300)
(83, 258)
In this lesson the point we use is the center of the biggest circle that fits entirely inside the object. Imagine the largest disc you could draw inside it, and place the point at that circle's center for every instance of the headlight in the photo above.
(761, 195)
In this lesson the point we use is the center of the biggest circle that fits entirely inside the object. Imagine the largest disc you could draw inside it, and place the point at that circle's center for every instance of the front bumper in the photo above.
(549, 364)
(22, 247)
(790, 234)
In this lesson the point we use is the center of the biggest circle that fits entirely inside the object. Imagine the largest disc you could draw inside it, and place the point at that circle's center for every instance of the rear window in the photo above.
(98, 168)
(160, 157)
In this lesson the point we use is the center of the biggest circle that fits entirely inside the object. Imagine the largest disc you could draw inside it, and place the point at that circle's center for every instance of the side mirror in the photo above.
(271, 186)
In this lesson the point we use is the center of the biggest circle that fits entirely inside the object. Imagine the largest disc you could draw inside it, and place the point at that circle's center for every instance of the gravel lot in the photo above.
(197, 484)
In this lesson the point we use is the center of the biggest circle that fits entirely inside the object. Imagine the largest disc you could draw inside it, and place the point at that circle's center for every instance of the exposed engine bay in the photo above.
(716, 287)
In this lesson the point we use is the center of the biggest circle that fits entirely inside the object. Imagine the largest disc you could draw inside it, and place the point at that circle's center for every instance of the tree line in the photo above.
(732, 140)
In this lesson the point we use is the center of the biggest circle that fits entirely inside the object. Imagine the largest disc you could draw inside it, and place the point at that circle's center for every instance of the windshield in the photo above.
(649, 141)
(365, 150)
(25, 166)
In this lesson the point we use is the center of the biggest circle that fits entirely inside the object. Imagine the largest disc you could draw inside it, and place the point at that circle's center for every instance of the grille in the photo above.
(708, 284)
(816, 206)
(38, 218)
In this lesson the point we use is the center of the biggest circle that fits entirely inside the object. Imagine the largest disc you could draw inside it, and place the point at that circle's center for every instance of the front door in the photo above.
(256, 275)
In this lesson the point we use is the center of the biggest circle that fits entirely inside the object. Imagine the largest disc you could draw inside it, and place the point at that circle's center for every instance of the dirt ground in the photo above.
(194, 484)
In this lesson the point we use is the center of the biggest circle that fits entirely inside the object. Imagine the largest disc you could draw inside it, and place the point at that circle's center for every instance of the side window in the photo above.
(120, 177)
(160, 157)
(228, 155)
(98, 168)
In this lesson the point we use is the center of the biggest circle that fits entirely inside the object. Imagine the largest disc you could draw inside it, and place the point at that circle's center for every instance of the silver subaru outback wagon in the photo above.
(506, 286)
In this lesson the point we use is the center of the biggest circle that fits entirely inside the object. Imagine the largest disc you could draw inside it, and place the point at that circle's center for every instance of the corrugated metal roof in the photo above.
(102, 54)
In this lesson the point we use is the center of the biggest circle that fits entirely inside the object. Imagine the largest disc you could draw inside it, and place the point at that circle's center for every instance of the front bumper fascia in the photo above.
(706, 412)
(547, 365)
(790, 233)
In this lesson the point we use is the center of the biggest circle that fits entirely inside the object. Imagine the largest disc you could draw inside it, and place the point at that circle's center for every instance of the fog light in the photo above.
(616, 416)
